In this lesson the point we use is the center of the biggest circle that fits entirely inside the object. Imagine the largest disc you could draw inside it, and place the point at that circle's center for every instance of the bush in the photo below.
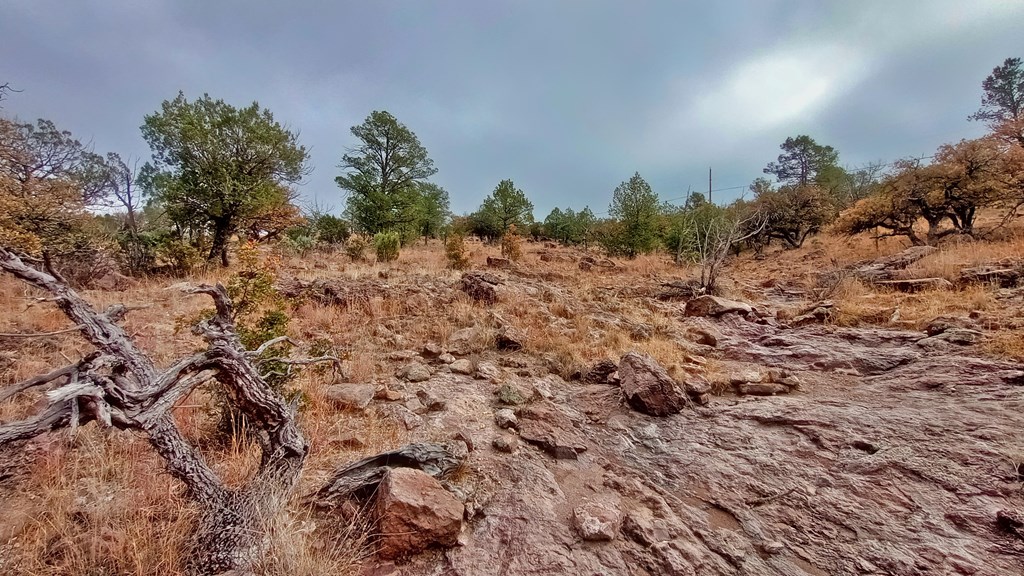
(177, 256)
(300, 244)
(455, 251)
(511, 244)
(330, 229)
(387, 245)
(356, 248)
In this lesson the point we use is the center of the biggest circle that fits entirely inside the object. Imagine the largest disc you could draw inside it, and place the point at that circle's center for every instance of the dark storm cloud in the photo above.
(566, 98)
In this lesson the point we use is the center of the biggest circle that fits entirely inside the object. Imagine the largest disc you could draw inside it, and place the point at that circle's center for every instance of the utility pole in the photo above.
(709, 184)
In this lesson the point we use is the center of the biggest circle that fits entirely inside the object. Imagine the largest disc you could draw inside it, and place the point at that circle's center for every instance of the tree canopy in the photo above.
(382, 174)
(635, 206)
(216, 166)
(802, 161)
(504, 207)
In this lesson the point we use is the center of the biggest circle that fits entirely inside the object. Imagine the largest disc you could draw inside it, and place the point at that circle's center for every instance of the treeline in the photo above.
(218, 173)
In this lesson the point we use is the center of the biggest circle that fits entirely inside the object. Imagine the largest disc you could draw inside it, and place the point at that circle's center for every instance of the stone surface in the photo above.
(597, 521)
(509, 339)
(648, 387)
(462, 366)
(714, 306)
(479, 286)
(506, 418)
(414, 372)
(506, 443)
(465, 341)
(415, 513)
(761, 389)
(355, 396)
(546, 426)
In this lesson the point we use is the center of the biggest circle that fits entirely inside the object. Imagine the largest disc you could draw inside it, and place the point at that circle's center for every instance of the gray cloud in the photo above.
(566, 98)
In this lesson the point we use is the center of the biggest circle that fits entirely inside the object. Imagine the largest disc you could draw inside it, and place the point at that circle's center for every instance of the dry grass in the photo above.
(99, 503)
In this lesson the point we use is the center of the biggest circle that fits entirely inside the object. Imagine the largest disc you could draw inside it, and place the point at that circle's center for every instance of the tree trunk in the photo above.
(221, 236)
(119, 386)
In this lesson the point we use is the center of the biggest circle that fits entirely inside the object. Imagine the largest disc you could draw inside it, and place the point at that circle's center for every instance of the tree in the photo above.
(216, 166)
(504, 207)
(791, 213)
(635, 206)
(431, 212)
(382, 173)
(1003, 97)
(801, 161)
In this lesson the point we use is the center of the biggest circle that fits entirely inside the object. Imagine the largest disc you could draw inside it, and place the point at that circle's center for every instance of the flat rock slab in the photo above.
(550, 429)
(714, 306)
(415, 513)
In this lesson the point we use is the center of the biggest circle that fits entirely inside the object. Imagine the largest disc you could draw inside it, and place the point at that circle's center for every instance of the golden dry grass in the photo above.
(97, 502)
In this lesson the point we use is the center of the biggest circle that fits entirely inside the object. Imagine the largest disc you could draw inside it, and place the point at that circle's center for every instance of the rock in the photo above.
(495, 262)
(585, 265)
(916, 284)
(506, 443)
(941, 324)
(648, 387)
(962, 336)
(818, 315)
(761, 389)
(1011, 522)
(431, 350)
(640, 527)
(430, 402)
(480, 287)
(509, 339)
(465, 437)
(415, 513)
(407, 417)
(510, 394)
(465, 341)
(414, 372)
(505, 418)
(714, 306)
(601, 372)
(356, 396)
(744, 376)
(462, 366)
(415, 406)
(704, 336)
(597, 521)
(488, 371)
(547, 427)
(446, 358)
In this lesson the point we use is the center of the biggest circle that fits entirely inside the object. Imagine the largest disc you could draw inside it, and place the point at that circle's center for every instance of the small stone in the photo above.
(487, 371)
(463, 435)
(446, 358)
(744, 376)
(464, 341)
(509, 339)
(415, 406)
(462, 366)
(714, 306)
(506, 418)
(431, 350)
(356, 396)
(597, 521)
(761, 389)
(506, 443)
(415, 372)
(431, 402)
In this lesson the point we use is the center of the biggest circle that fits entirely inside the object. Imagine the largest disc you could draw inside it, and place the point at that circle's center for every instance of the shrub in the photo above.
(356, 247)
(387, 245)
(330, 229)
(300, 244)
(177, 256)
(455, 251)
(511, 244)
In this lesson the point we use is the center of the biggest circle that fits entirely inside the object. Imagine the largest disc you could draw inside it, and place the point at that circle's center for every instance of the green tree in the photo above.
(635, 207)
(215, 166)
(801, 161)
(1003, 97)
(431, 210)
(382, 174)
(504, 207)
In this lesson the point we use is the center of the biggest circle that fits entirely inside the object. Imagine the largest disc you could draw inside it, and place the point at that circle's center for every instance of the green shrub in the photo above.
(387, 245)
(330, 229)
(178, 256)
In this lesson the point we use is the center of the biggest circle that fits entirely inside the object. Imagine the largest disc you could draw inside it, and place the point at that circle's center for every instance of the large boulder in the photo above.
(415, 513)
(355, 396)
(714, 306)
(648, 387)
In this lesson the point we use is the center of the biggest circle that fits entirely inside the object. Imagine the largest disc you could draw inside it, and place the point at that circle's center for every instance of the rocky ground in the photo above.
(570, 416)
(830, 450)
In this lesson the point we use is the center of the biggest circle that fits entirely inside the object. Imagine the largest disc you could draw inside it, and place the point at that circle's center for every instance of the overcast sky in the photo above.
(567, 98)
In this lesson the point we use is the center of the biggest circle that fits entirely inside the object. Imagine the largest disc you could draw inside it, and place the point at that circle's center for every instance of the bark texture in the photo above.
(119, 386)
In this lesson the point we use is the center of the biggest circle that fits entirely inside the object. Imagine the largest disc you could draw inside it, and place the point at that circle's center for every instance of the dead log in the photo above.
(119, 386)
(360, 479)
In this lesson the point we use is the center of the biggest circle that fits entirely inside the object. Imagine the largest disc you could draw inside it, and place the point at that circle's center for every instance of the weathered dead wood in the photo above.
(360, 479)
(119, 386)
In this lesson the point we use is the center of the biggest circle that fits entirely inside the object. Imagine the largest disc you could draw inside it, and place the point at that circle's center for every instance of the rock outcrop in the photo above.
(415, 513)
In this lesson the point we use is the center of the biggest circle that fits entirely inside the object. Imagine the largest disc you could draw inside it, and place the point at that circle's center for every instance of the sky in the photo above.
(568, 98)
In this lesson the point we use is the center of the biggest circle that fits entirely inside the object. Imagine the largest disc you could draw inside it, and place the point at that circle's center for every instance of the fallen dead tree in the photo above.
(119, 386)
